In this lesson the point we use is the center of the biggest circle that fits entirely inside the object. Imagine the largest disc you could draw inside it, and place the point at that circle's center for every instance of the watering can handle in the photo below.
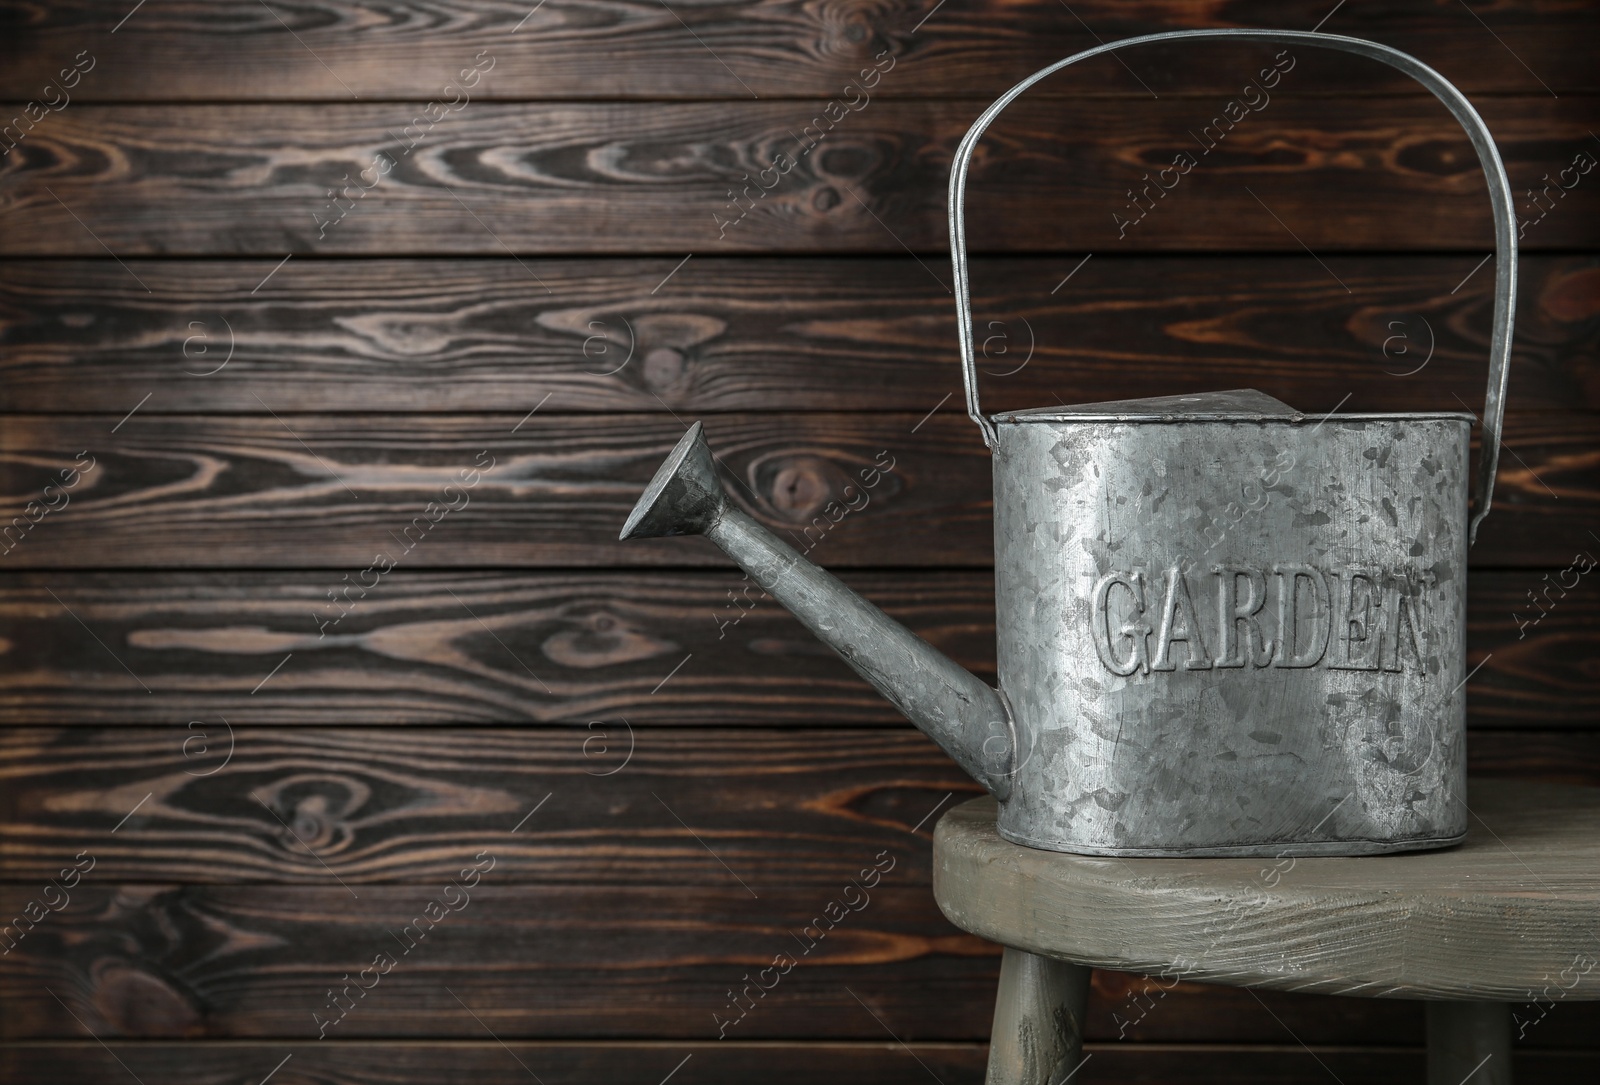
(1505, 283)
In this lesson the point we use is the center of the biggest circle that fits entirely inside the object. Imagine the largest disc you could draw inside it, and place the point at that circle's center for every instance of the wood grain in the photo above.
(390, 805)
(491, 648)
(634, 178)
(288, 490)
(1559, 757)
(589, 49)
(779, 334)
(453, 648)
(397, 806)
(779, 1063)
(1497, 918)
(201, 551)
(1154, 1009)
(154, 962)
(1038, 1020)
(534, 961)
(482, 1061)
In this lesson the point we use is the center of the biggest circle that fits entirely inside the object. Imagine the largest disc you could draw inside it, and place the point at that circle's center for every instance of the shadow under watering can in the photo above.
(1181, 673)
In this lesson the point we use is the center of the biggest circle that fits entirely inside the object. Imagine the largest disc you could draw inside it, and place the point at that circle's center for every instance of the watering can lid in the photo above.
(1237, 405)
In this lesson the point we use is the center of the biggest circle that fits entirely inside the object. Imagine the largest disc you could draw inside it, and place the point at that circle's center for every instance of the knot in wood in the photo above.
(803, 484)
(315, 811)
(132, 1001)
(595, 638)
(663, 367)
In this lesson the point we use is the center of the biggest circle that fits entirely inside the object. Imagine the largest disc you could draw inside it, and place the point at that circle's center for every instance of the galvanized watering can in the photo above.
(1225, 627)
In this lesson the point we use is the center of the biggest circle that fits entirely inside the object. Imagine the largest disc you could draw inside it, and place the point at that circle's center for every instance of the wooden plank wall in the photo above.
(276, 274)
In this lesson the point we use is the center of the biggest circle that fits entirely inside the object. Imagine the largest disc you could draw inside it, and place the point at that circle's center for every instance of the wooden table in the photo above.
(1511, 916)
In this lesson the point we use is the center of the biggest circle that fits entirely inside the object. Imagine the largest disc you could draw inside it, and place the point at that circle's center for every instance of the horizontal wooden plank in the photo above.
(485, 1062)
(1562, 757)
(886, 1063)
(658, 648)
(374, 806)
(382, 806)
(153, 962)
(1329, 173)
(292, 490)
(534, 961)
(589, 49)
(440, 648)
(332, 490)
(779, 334)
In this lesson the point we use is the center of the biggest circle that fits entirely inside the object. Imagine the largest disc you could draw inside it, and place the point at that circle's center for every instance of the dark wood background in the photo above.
(266, 804)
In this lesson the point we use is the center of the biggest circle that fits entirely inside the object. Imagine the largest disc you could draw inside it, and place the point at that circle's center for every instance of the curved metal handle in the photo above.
(1499, 198)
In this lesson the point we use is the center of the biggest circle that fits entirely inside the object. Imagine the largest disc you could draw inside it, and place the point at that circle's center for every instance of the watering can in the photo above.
(1225, 627)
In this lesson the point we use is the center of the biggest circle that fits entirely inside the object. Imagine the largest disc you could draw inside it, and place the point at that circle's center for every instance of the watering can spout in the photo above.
(962, 713)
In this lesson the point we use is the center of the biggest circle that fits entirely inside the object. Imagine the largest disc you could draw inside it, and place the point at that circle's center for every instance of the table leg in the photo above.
(1469, 1043)
(1038, 1021)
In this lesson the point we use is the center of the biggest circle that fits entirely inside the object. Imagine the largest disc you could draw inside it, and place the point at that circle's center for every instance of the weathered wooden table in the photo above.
(1511, 916)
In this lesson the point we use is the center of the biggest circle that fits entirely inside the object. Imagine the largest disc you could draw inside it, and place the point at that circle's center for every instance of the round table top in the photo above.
(1513, 914)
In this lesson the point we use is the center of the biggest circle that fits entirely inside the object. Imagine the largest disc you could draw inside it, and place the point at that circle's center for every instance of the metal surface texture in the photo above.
(1224, 627)
(958, 710)
(1505, 220)
(1225, 630)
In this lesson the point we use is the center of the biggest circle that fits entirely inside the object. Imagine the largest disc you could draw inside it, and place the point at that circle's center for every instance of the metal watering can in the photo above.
(1225, 627)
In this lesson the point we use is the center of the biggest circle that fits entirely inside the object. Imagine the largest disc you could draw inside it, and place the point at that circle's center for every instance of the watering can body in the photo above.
(1224, 627)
